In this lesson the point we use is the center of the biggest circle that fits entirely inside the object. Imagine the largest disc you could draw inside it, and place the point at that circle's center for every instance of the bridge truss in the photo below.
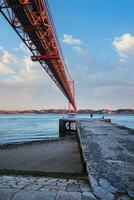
(32, 21)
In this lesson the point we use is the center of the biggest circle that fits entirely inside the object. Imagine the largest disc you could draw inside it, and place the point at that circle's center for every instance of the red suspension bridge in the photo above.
(32, 21)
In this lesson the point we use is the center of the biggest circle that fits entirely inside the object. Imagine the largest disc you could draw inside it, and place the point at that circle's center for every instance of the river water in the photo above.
(18, 128)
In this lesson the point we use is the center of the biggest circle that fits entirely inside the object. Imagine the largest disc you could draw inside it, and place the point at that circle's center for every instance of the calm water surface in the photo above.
(30, 127)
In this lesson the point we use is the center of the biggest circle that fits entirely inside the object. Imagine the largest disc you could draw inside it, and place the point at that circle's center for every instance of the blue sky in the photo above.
(97, 40)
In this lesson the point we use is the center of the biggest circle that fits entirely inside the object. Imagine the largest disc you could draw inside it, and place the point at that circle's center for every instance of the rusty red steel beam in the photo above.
(33, 19)
(44, 57)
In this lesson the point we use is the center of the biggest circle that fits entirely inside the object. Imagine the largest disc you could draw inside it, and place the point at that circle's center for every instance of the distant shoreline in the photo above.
(62, 111)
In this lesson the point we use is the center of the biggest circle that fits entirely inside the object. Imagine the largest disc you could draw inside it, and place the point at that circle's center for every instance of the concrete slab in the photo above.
(59, 156)
(108, 150)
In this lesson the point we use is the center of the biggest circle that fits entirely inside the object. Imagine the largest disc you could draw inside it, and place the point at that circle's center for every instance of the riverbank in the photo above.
(64, 111)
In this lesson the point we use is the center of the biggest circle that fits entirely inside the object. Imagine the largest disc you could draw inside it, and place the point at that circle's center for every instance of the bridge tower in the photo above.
(71, 82)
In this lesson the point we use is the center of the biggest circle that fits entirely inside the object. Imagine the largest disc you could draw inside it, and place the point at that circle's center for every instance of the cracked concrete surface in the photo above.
(108, 151)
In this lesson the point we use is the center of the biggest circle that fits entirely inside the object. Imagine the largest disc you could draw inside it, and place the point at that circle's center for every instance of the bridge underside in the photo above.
(32, 21)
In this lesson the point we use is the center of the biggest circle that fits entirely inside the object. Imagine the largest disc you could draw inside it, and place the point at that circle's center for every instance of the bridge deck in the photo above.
(108, 152)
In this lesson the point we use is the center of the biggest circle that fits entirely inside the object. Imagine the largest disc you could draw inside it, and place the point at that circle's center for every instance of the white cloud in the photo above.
(24, 84)
(15, 68)
(6, 57)
(6, 60)
(70, 40)
(75, 42)
(20, 70)
(5, 69)
(83, 53)
(104, 90)
(124, 46)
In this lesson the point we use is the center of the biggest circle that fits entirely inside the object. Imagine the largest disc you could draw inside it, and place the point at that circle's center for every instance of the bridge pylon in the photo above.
(70, 107)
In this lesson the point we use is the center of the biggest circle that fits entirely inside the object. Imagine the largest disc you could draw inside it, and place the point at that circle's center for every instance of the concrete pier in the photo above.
(108, 154)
